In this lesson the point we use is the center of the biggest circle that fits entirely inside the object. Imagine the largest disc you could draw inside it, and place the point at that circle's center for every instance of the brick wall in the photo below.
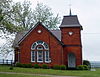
(55, 46)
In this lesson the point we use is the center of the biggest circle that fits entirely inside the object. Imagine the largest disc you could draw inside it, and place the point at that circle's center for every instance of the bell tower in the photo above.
(71, 38)
(71, 30)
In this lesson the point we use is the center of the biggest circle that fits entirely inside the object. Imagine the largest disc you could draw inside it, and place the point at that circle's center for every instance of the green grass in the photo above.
(52, 72)
(18, 75)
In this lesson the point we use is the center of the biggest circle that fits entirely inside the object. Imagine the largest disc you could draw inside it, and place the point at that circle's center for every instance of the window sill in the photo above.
(47, 61)
(40, 61)
(33, 61)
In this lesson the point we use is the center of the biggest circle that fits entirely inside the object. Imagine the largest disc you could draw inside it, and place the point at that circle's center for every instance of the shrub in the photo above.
(11, 68)
(24, 65)
(27, 65)
(63, 67)
(18, 65)
(86, 67)
(82, 67)
(57, 67)
(86, 62)
(36, 66)
(45, 66)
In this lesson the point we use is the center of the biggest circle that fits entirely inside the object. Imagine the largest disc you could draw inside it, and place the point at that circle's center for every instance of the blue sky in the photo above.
(89, 16)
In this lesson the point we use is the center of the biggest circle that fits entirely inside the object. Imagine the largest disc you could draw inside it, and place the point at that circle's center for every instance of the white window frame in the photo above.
(32, 56)
(38, 57)
(48, 57)
(44, 51)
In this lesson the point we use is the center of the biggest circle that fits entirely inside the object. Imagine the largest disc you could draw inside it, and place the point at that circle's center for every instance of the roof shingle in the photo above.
(70, 21)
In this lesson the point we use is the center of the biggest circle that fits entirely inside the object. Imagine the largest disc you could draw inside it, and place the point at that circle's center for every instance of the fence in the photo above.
(3, 61)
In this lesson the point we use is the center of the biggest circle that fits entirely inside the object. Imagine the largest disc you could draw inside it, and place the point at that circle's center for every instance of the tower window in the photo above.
(70, 33)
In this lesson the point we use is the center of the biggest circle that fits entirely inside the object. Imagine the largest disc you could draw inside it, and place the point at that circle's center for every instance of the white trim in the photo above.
(38, 57)
(32, 46)
(43, 43)
(48, 57)
(45, 46)
(43, 56)
(32, 55)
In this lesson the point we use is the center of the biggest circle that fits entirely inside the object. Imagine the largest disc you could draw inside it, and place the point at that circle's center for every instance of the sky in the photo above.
(88, 12)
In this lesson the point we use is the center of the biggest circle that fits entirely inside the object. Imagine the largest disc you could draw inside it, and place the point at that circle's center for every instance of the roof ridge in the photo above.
(32, 30)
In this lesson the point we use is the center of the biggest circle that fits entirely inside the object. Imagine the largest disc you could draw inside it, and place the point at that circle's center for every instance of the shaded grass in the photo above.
(53, 72)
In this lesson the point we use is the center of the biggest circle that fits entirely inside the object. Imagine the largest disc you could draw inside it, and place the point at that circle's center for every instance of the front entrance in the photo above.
(71, 60)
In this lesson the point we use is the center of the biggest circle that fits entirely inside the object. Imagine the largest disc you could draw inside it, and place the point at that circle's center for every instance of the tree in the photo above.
(15, 17)
(43, 14)
(5, 14)
(25, 18)
(6, 48)
(22, 15)
(86, 62)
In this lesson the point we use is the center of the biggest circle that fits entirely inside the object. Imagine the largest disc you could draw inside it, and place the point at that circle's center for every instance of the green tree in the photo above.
(5, 14)
(15, 17)
(22, 15)
(43, 14)
(86, 62)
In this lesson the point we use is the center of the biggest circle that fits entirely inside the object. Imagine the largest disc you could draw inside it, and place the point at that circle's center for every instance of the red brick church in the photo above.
(42, 46)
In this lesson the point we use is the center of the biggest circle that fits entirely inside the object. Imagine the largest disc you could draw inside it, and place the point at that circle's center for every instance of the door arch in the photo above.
(71, 60)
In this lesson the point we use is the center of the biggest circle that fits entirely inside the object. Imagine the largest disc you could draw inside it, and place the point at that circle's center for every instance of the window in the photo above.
(40, 52)
(47, 58)
(46, 46)
(70, 33)
(33, 46)
(39, 56)
(39, 42)
(39, 48)
(33, 56)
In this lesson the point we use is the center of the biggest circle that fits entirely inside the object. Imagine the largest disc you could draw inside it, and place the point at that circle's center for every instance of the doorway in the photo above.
(71, 60)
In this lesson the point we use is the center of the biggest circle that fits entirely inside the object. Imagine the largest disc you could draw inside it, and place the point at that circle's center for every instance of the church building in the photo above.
(52, 47)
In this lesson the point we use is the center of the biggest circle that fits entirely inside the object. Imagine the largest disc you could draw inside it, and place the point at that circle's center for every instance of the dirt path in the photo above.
(34, 74)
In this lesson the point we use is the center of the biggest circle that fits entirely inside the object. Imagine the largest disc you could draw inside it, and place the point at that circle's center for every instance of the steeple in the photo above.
(70, 13)
(70, 21)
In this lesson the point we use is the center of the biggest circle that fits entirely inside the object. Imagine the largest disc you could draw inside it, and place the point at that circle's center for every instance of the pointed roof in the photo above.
(20, 36)
(70, 21)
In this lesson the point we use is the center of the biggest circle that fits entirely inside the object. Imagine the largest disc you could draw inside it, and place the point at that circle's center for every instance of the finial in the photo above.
(70, 13)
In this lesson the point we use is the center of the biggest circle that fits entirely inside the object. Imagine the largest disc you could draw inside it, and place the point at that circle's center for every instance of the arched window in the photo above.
(40, 52)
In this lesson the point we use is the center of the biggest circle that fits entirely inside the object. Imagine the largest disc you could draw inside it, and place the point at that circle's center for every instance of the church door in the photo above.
(71, 60)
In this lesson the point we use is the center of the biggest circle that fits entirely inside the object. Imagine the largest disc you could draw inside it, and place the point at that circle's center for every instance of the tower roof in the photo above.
(70, 21)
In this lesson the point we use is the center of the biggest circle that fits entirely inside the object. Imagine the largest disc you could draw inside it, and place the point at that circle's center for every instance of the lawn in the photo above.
(18, 75)
(51, 72)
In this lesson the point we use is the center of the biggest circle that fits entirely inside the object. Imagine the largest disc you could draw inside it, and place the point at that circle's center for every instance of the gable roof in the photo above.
(70, 21)
(57, 33)
(20, 36)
